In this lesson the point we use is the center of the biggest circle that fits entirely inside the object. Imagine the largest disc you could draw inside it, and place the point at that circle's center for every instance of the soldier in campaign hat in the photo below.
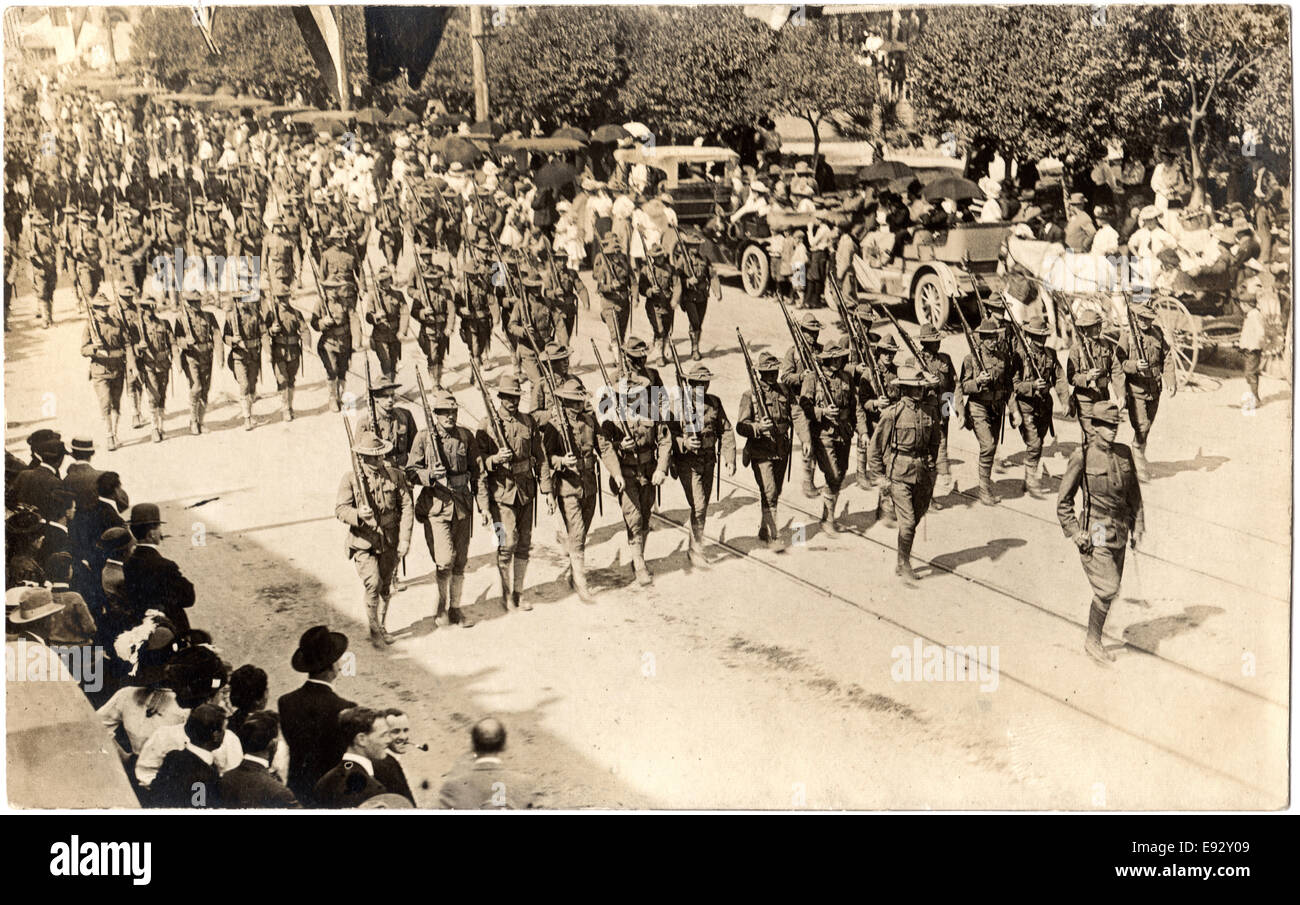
(986, 391)
(939, 365)
(286, 329)
(1037, 375)
(333, 318)
(195, 336)
(104, 342)
(243, 338)
(904, 451)
(385, 308)
(431, 306)
(615, 284)
(1089, 367)
(513, 471)
(765, 423)
(829, 404)
(661, 287)
(534, 323)
(569, 442)
(374, 501)
(702, 442)
(692, 259)
(474, 298)
(791, 377)
(1144, 366)
(1111, 516)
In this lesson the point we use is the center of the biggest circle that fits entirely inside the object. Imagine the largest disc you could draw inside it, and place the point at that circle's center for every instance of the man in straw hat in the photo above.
(1111, 516)
(378, 537)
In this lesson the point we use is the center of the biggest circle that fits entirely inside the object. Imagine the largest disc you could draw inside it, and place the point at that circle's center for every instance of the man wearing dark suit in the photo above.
(154, 582)
(92, 519)
(35, 485)
(188, 778)
(309, 715)
(485, 782)
(60, 509)
(82, 478)
(252, 784)
(353, 780)
(388, 769)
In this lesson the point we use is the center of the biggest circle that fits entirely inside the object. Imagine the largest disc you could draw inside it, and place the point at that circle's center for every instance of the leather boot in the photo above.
(578, 577)
(456, 615)
(517, 586)
(110, 427)
(829, 527)
(771, 532)
(444, 594)
(203, 413)
(435, 375)
(194, 418)
(382, 619)
(885, 508)
(1092, 645)
(639, 567)
(986, 495)
(904, 569)
(137, 419)
(1140, 460)
(1032, 487)
(247, 406)
(809, 490)
(376, 637)
(503, 582)
(695, 345)
(696, 550)
(288, 404)
(334, 395)
(157, 426)
(864, 470)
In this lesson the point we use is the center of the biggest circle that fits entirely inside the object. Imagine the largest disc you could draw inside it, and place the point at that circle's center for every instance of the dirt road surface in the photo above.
(769, 681)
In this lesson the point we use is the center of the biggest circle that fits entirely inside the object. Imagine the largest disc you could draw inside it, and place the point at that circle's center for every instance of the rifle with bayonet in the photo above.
(359, 476)
(859, 343)
(432, 426)
(805, 355)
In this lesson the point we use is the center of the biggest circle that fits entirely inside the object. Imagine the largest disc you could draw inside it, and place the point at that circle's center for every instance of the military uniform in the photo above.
(376, 544)
(872, 402)
(830, 433)
(701, 442)
(904, 449)
(943, 374)
(153, 357)
(767, 449)
(86, 248)
(637, 467)
(474, 307)
(281, 266)
(613, 275)
(243, 336)
(1142, 386)
(1033, 398)
(445, 503)
(791, 379)
(131, 245)
(508, 489)
(567, 295)
(661, 288)
(195, 332)
(699, 284)
(574, 482)
(556, 358)
(42, 256)
(986, 402)
(1089, 388)
(431, 314)
(384, 315)
(210, 241)
(333, 318)
(1112, 510)
(286, 329)
(533, 325)
(396, 425)
(104, 342)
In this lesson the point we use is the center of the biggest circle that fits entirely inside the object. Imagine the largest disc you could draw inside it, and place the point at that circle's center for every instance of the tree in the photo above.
(808, 74)
(692, 70)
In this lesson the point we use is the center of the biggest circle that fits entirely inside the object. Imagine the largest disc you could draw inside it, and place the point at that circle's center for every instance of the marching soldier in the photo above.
(661, 288)
(636, 449)
(1089, 368)
(573, 477)
(636, 354)
(281, 247)
(243, 337)
(791, 377)
(474, 307)
(613, 275)
(168, 235)
(702, 438)
(430, 312)
(42, 255)
(104, 342)
(570, 292)
(943, 374)
(153, 357)
(287, 330)
(333, 319)
(339, 261)
(131, 246)
(1140, 371)
(768, 440)
(378, 538)
(195, 332)
(699, 284)
(556, 357)
(389, 227)
(871, 404)
(384, 315)
(830, 425)
(1035, 380)
(210, 240)
(444, 465)
(86, 249)
(533, 324)
(986, 401)
(904, 449)
(396, 424)
(510, 478)
(1111, 515)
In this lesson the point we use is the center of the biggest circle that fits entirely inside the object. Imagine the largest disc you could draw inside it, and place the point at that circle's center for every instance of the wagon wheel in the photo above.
(754, 270)
(931, 301)
(1183, 333)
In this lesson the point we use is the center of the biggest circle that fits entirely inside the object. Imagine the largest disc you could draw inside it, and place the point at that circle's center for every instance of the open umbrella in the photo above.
(884, 170)
(572, 132)
(610, 133)
(402, 116)
(455, 148)
(488, 128)
(953, 187)
(556, 174)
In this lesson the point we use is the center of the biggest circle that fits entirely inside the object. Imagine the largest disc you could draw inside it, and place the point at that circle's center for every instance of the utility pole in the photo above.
(480, 63)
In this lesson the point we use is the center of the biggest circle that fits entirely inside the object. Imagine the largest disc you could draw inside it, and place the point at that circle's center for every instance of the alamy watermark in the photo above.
(947, 663)
(180, 271)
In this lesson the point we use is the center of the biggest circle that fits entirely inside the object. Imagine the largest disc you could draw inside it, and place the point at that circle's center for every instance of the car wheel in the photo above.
(754, 270)
(931, 301)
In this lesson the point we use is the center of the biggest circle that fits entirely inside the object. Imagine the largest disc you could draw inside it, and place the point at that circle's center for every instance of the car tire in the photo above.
(755, 270)
(931, 301)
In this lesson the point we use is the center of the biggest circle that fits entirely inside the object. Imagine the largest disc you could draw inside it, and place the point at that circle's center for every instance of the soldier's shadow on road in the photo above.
(1199, 462)
(991, 551)
(1147, 635)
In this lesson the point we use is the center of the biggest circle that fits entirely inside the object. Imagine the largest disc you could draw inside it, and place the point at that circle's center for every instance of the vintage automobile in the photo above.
(698, 179)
